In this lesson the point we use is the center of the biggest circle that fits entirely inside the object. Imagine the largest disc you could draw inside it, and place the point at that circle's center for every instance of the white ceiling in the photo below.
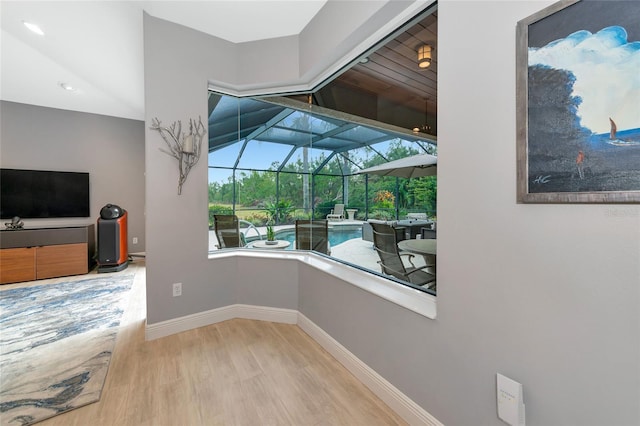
(96, 46)
(239, 20)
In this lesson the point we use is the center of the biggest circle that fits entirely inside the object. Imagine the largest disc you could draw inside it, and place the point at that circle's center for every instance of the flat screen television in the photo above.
(32, 194)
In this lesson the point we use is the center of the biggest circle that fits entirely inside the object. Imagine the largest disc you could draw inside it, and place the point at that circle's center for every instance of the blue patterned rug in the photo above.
(56, 342)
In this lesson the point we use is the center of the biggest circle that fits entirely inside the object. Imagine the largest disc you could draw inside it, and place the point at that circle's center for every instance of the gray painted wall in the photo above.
(179, 64)
(111, 149)
(548, 295)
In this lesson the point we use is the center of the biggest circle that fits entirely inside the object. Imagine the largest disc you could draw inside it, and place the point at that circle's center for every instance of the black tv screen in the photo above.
(43, 194)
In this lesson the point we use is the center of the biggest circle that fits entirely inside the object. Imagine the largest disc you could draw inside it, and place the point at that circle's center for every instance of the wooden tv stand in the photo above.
(35, 254)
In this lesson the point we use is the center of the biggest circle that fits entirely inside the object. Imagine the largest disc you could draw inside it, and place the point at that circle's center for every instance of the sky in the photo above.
(607, 69)
(260, 155)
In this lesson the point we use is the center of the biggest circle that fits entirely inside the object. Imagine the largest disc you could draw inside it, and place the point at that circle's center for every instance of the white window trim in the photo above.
(409, 298)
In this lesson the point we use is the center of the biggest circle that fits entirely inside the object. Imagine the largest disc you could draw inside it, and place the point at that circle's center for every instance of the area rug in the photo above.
(56, 342)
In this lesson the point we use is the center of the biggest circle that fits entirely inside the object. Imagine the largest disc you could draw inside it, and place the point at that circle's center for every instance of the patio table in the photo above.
(279, 244)
(426, 248)
(419, 246)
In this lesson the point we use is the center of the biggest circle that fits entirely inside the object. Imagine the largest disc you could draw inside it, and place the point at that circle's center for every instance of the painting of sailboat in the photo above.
(580, 69)
(630, 138)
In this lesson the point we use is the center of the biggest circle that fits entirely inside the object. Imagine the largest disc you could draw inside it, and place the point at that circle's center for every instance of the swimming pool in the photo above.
(337, 234)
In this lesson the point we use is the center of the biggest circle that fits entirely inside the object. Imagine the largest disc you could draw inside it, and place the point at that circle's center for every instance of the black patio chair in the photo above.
(428, 233)
(313, 235)
(227, 228)
(386, 244)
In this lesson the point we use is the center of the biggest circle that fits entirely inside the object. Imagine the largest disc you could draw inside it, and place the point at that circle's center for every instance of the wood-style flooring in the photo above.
(238, 372)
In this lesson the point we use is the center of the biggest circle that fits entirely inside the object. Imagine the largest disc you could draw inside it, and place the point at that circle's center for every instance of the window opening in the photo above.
(306, 156)
(288, 165)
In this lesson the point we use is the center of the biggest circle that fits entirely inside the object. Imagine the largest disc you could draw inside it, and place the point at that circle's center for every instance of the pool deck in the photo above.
(355, 251)
(358, 252)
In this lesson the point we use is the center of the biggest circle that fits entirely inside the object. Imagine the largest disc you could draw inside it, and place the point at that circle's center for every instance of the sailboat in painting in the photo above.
(613, 137)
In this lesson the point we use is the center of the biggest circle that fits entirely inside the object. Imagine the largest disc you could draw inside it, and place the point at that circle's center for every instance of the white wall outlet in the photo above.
(510, 401)
(135, 240)
(177, 289)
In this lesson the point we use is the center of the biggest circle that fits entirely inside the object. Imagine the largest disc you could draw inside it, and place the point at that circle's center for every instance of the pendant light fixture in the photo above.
(424, 56)
(425, 128)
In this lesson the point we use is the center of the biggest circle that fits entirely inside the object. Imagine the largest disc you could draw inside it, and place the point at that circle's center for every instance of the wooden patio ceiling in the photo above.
(390, 87)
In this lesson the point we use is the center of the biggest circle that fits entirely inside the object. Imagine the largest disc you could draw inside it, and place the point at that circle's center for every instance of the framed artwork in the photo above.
(578, 103)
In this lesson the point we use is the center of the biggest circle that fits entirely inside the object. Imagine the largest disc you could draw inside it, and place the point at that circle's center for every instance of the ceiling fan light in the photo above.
(424, 56)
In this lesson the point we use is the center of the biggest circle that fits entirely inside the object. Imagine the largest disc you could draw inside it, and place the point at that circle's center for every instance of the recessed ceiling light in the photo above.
(33, 27)
(68, 87)
(364, 60)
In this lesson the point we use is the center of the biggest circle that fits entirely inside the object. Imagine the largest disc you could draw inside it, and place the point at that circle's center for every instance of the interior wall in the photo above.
(111, 149)
(180, 63)
(177, 225)
(548, 295)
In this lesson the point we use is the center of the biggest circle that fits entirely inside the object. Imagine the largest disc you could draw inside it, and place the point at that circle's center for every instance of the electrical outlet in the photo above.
(135, 240)
(177, 289)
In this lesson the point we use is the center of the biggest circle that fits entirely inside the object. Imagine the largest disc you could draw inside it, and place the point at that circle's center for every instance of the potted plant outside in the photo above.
(271, 235)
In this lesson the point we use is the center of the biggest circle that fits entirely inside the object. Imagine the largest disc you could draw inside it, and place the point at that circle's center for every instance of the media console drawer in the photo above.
(33, 254)
(60, 260)
(17, 264)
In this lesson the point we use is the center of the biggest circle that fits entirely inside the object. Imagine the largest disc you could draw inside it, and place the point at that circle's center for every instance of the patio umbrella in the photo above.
(408, 167)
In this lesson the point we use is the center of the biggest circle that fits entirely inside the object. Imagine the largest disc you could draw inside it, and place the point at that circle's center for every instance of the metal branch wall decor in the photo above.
(185, 147)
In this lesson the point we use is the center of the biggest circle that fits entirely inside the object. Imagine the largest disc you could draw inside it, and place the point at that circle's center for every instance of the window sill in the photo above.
(409, 298)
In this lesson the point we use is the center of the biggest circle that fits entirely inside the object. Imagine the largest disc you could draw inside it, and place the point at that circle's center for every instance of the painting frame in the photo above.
(528, 182)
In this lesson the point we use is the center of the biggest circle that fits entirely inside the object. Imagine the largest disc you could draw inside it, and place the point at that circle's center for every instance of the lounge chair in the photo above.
(313, 235)
(227, 228)
(337, 212)
(386, 244)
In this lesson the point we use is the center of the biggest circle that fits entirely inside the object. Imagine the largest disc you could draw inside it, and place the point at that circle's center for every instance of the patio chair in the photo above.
(367, 229)
(391, 262)
(337, 212)
(428, 233)
(227, 228)
(313, 235)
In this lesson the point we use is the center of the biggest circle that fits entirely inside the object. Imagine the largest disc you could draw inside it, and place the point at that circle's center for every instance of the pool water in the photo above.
(337, 235)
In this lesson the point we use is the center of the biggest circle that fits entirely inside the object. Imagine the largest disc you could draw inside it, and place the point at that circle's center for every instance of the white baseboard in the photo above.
(213, 316)
(265, 313)
(411, 412)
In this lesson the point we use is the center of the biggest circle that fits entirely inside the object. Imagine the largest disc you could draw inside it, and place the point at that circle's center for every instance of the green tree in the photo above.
(258, 188)
(254, 187)
(214, 190)
(424, 193)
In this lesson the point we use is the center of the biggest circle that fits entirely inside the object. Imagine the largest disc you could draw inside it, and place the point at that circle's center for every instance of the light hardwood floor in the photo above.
(238, 372)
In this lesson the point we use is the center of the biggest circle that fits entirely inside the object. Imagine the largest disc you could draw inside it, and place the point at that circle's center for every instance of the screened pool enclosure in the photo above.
(273, 161)
(293, 160)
